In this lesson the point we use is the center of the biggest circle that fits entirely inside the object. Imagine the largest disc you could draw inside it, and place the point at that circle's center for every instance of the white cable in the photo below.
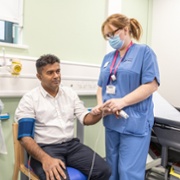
(122, 114)
(29, 168)
(94, 154)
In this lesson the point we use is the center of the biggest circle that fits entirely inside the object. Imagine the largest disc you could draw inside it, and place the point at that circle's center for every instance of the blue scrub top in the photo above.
(139, 66)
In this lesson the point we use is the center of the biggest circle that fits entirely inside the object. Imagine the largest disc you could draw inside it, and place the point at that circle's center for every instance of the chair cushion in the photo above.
(75, 174)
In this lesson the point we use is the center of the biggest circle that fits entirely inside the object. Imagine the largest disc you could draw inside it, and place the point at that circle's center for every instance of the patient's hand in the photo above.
(53, 168)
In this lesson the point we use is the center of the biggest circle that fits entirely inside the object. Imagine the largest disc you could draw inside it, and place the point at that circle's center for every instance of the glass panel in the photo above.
(2, 35)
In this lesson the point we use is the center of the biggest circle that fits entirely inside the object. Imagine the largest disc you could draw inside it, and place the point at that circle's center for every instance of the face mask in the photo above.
(115, 42)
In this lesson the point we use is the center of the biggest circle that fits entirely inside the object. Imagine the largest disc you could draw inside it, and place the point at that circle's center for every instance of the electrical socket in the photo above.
(83, 85)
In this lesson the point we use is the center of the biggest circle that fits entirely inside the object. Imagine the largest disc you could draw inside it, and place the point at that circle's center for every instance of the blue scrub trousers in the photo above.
(126, 155)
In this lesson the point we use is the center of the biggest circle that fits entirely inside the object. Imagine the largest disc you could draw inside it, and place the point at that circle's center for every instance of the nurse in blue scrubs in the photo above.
(129, 75)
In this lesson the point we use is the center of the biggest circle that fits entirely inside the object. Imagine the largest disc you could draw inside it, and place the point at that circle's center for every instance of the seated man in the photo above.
(46, 127)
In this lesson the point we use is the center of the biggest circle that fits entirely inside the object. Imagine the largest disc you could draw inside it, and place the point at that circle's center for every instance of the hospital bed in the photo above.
(166, 131)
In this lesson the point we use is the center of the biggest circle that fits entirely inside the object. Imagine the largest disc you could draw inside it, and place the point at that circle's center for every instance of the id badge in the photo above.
(110, 89)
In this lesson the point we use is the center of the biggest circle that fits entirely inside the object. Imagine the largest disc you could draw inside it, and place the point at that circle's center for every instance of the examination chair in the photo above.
(166, 131)
(20, 165)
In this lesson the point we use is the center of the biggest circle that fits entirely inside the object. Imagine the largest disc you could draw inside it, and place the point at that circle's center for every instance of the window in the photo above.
(6, 32)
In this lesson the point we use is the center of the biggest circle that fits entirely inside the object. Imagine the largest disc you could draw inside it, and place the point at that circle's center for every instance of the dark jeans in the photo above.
(76, 155)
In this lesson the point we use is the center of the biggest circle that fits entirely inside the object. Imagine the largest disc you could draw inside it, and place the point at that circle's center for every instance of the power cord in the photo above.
(29, 168)
(95, 146)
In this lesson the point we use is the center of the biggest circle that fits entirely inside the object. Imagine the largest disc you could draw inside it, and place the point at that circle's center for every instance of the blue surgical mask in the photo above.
(115, 42)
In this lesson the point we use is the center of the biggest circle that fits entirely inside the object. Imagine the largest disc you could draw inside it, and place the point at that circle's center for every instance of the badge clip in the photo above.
(113, 77)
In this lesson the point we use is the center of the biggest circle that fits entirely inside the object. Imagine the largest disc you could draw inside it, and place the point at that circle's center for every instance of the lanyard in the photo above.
(114, 61)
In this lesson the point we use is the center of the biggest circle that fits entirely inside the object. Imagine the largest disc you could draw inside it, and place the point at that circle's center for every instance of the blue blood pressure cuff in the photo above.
(26, 127)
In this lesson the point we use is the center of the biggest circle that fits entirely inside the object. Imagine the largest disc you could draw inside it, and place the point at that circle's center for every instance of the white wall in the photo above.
(165, 42)
(139, 9)
(82, 77)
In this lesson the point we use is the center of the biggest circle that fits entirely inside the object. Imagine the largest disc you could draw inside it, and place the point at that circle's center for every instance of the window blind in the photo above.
(11, 10)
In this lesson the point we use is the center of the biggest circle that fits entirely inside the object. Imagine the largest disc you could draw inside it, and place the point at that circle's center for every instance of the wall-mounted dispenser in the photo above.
(14, 66)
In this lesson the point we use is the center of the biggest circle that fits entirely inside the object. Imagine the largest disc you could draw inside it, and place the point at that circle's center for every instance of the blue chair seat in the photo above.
(75, 174)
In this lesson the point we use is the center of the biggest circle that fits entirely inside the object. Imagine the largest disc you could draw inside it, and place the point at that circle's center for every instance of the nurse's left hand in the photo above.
(99, 110)
(96, 110)
(114, 105)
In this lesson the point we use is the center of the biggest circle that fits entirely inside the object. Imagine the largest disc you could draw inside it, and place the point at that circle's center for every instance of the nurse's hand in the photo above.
(104, 111)
(114, 105)
(96, 110)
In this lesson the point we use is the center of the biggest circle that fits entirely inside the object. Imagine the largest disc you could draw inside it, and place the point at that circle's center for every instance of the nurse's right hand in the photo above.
(96, 110)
